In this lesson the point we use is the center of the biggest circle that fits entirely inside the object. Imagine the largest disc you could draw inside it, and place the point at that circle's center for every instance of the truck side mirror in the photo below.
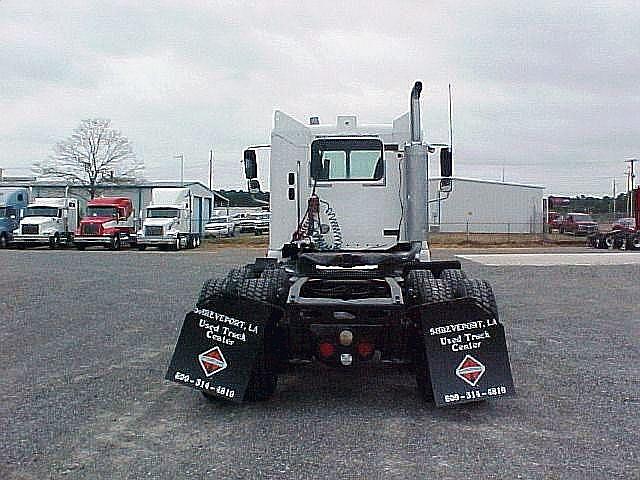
(446, 162)
(254, 186)
(250, 164)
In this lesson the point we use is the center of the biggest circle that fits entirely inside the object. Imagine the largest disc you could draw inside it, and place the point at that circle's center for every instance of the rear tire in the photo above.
(453, 278)
(481, 291)
(142, 248)
(425, 289)
(80, 246)
(264, 379)
(4, 241)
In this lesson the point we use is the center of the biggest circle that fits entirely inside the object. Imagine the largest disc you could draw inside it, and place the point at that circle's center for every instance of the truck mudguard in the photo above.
(216, 348)
(466, 351)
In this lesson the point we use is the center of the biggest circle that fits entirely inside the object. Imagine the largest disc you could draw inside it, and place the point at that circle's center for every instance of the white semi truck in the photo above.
(348, 280)
(169, 221)
(47, 221)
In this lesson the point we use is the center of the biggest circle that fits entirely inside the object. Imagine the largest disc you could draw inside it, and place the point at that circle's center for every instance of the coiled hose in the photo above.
(336, 231)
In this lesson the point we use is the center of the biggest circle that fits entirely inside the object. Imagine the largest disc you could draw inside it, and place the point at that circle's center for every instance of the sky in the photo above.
(544, 93)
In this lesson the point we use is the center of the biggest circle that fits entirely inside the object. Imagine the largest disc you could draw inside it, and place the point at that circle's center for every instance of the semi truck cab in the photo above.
(12, 204)
(108, 222)
(168, 221)
(48, 221)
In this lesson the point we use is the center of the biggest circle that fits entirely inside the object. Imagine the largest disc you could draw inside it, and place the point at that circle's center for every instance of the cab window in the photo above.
(347, 159)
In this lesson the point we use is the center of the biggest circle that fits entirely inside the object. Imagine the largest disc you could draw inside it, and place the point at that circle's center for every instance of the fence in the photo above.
(496, 233)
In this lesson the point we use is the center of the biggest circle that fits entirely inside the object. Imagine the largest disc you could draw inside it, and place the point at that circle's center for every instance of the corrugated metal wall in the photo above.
(487, 207)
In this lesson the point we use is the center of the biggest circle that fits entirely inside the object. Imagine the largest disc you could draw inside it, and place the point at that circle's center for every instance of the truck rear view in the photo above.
(348, 280)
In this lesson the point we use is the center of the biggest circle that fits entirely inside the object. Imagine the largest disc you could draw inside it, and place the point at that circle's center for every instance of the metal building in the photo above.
(484, 206)
(140, 194)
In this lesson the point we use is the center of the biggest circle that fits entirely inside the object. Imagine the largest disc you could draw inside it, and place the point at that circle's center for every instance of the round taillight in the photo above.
(326, 349)
(365, 349)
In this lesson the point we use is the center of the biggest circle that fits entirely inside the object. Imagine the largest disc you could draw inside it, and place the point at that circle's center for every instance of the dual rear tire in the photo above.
(424, 288)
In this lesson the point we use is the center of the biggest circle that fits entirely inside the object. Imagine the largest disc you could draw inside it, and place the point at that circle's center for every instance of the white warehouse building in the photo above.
(484, 206)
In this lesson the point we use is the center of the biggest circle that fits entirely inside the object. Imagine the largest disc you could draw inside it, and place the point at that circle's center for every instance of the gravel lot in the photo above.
(86, 338)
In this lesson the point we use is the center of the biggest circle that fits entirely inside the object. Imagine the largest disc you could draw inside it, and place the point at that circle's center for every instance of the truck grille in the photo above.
(29, 229)
(153, 231)
(91, 229)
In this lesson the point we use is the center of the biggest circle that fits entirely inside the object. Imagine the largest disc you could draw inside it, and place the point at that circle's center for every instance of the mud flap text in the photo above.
(466, 352)
(215, 351)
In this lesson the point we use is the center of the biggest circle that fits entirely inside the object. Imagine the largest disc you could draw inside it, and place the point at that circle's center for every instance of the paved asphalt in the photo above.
(86, 337)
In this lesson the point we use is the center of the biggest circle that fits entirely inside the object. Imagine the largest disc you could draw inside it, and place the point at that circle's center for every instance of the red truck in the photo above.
(578, 224)
(108, 222)
(624, 234)
(554, 221)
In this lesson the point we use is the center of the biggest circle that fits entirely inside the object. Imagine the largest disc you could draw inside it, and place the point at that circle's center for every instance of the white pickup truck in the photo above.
(47, 221)
(169, 221)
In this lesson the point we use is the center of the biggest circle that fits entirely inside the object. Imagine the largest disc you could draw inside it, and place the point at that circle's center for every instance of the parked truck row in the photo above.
(168, 222)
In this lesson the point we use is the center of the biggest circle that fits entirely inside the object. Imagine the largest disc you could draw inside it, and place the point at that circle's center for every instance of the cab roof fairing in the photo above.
(109, 201)
(59, 202)
(293, 130)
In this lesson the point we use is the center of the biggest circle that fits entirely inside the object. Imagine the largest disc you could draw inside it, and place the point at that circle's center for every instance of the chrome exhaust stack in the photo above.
(414, 178)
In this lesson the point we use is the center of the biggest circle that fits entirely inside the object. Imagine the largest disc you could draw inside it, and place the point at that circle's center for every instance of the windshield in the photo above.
(219, 220)
(3, 212)
(582, 218)
(347, 159)
(41, 212)
(163, 213)
(102, 212)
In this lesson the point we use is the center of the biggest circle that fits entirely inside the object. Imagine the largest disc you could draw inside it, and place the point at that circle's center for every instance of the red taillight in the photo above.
(364, 349)
(326, 349)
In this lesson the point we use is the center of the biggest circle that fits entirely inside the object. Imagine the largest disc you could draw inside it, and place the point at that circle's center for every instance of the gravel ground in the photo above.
(86, 338)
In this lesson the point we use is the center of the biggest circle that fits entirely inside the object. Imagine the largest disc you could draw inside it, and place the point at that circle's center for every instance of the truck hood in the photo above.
(159, 222)
(98, 220)
(38, 220)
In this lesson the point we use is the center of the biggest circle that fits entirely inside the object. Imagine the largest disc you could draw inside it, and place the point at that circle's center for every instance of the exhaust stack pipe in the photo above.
(416, 127)
(415, 195)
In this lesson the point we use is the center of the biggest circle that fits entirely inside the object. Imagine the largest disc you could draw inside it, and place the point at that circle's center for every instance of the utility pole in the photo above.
(211, 169)
(614, 198)
(181, 157)
(631, 183)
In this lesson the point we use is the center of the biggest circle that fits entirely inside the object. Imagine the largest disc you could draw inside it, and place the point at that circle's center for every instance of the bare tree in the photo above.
(93, 155)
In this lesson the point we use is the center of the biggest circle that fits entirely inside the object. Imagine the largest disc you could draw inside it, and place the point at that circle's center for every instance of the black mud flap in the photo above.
(216, 350)
(466, 351)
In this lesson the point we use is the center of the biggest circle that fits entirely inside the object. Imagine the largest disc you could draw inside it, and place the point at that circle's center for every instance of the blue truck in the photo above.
(12, 203)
